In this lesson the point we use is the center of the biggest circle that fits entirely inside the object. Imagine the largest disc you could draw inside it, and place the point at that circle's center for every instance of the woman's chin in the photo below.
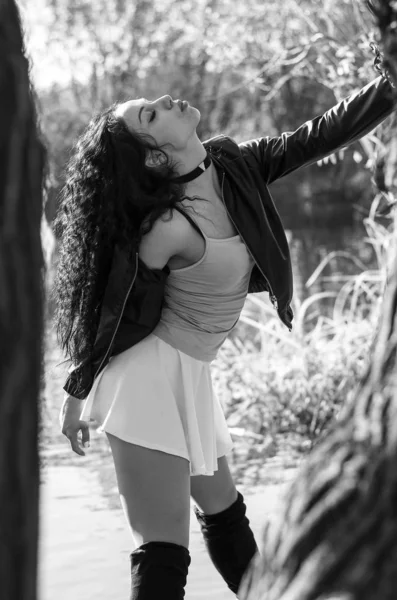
(195, 113)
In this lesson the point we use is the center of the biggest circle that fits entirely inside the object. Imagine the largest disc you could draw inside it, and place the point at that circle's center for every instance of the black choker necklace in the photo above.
(195, 173)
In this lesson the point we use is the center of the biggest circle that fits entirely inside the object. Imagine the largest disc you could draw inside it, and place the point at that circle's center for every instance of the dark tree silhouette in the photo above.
(337, 533)
(22, 161)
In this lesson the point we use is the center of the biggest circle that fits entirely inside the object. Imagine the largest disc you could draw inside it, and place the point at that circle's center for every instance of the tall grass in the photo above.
(276, 385)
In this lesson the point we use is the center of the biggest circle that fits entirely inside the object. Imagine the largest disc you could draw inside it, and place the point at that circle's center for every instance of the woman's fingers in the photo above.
(71, 434)
(71, 425)
(85, 436)
(75, 444)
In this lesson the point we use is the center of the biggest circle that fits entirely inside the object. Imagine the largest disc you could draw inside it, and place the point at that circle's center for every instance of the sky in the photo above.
(47, 67)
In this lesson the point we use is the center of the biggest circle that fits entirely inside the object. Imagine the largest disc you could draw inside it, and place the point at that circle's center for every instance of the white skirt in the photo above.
(156, 396)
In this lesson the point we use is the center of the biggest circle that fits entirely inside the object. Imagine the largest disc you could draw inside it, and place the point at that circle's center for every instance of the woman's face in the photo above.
(163, 119)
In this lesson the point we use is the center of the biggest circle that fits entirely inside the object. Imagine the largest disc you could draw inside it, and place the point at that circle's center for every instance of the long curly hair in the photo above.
(110, 196)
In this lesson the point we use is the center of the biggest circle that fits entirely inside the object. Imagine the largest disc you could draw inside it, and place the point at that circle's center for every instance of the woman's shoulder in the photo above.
(167, 237)
(170, 222)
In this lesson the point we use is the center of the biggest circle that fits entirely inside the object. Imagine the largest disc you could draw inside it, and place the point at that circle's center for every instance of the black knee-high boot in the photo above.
(229, 541)
(159, 570)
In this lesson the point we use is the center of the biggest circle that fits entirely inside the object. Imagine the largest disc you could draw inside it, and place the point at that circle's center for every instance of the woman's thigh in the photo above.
(214, 493)
(154, 490)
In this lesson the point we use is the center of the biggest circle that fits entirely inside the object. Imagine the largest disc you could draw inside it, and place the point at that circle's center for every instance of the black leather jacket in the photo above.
(133, 298)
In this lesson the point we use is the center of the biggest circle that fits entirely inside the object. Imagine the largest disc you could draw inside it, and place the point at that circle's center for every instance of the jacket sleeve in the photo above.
(130, 312)
(81, 376)
(79, 381)
(346, 122)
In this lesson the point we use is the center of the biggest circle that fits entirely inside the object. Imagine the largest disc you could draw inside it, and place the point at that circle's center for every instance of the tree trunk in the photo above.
(22, 159)
(336, 537)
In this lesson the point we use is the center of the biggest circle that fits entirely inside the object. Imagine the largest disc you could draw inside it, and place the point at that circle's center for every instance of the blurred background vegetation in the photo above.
(253, 68)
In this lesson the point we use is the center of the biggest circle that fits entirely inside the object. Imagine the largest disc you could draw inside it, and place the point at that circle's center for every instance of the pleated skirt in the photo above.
(156, 396)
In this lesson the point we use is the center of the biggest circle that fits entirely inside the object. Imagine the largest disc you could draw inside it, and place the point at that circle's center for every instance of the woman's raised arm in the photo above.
(346, 122)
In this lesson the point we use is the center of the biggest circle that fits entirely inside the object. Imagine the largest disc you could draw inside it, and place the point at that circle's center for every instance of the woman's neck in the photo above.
(205, 185)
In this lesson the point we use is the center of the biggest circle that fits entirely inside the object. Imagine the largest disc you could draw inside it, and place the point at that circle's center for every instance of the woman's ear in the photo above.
(154, 158)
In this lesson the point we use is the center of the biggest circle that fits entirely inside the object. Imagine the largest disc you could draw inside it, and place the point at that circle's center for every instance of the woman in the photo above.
(147, 295)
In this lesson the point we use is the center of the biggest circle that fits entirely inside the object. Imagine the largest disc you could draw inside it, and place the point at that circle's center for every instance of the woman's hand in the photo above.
(71, 425)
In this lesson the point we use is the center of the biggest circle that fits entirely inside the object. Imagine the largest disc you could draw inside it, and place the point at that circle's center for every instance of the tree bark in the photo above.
(336, 537)
(22, 160)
